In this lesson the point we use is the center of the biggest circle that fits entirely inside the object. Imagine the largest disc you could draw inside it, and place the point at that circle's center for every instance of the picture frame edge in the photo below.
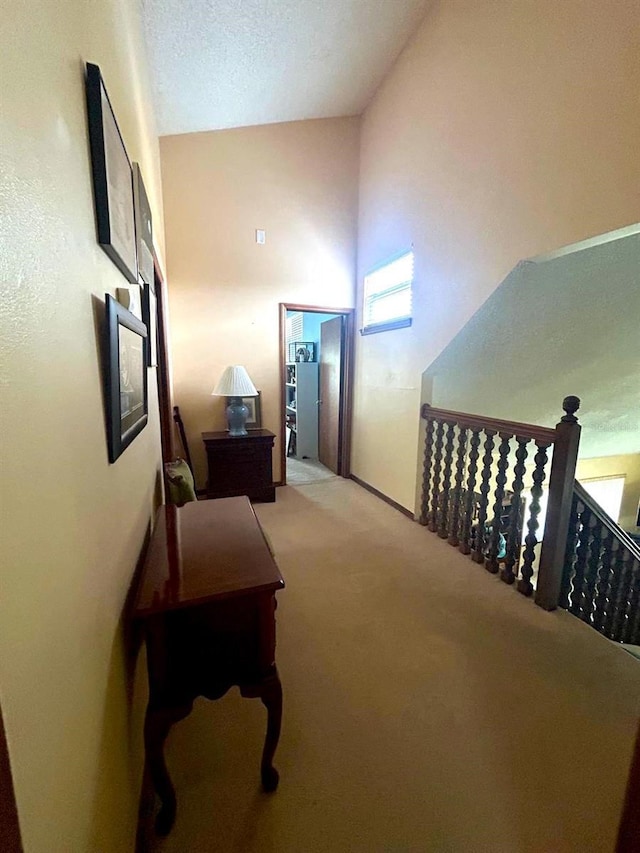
(140, 192)
(94, 84)
(116, 315)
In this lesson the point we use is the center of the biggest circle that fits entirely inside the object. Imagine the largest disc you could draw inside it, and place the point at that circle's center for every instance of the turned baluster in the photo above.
(603, 583)
(633, 634)
(515, 521)
(628, 635)
(483, 503)
(435, 485)
(469, 492)
(570, 554)
(531, 540)
(617, 570)
(443, 528)
(426, 476)
(580, 566)
(623, 568)
(457, 489)
(591, 571)
(491, 563)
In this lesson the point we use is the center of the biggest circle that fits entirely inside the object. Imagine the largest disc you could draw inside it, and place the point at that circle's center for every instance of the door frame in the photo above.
(346, 383)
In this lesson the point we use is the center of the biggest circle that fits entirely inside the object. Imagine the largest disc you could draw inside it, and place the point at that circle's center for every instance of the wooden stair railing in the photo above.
(601, 575)
(457, 503)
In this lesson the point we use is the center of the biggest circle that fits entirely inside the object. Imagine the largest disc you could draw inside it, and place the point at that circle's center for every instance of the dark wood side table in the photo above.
(240, 465)
(207, 603)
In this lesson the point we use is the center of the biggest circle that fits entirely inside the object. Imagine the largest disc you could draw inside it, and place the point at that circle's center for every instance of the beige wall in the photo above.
(504, 131)
(298, 182)
(503, 366)
(72, 525)
(627, 466)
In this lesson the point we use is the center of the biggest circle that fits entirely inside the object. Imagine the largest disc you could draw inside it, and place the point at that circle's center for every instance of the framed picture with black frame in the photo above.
(112, 179)
(125, 377)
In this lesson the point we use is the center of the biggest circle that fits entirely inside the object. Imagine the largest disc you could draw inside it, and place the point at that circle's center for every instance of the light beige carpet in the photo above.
(301, 472)
(428, 707)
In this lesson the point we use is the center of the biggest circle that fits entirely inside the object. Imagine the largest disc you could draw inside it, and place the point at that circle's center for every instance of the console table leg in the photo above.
(157, 723)
(271, 696)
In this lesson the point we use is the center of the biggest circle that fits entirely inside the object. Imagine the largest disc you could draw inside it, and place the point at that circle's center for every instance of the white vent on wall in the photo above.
(294, 328)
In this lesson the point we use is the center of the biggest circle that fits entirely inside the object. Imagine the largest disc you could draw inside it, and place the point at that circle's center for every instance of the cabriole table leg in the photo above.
(157, 723)
(271, 696)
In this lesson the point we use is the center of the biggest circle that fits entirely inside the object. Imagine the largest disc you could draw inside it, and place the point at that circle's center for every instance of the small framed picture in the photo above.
(254, 419)
(125, 379)
(112, 179)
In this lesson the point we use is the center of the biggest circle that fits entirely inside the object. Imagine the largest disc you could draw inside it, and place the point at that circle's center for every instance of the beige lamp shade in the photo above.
(235, 382)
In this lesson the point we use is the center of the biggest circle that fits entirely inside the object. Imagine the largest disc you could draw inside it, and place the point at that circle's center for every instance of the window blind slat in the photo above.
(388, 292)
(389, 306)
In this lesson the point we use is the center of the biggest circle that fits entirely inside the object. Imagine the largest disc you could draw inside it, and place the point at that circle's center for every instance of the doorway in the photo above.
(316, 345)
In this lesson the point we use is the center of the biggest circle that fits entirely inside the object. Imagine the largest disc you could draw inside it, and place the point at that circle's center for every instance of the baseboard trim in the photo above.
(382, 496)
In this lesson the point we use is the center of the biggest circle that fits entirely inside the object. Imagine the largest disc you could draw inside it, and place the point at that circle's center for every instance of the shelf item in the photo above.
(291, 441)
(302, 351)
(302, 409)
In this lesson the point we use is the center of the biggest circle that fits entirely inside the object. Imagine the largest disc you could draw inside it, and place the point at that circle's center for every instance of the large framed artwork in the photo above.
(112, 179)
(144, 228)
(126, 377)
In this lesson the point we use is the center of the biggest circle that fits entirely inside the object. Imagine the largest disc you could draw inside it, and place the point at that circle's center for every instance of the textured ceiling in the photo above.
(231, 63)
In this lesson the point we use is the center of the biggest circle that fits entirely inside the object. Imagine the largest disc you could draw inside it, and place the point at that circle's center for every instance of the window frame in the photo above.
(399, 322)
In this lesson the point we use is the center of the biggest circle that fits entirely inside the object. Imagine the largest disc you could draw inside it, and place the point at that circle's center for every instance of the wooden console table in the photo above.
(207, 603)
(240, 465)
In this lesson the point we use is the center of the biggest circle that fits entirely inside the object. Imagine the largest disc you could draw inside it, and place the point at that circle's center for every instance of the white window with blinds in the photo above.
(387, 295)
(294, 327)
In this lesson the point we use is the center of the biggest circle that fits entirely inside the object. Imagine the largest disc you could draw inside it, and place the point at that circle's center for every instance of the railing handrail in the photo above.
(594, 507)
(533, 431)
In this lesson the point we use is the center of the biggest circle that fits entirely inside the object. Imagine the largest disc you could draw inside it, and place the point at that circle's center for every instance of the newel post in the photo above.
(561, 480)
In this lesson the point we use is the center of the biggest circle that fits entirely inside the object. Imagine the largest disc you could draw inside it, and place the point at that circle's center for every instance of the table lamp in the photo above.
(235, 383)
